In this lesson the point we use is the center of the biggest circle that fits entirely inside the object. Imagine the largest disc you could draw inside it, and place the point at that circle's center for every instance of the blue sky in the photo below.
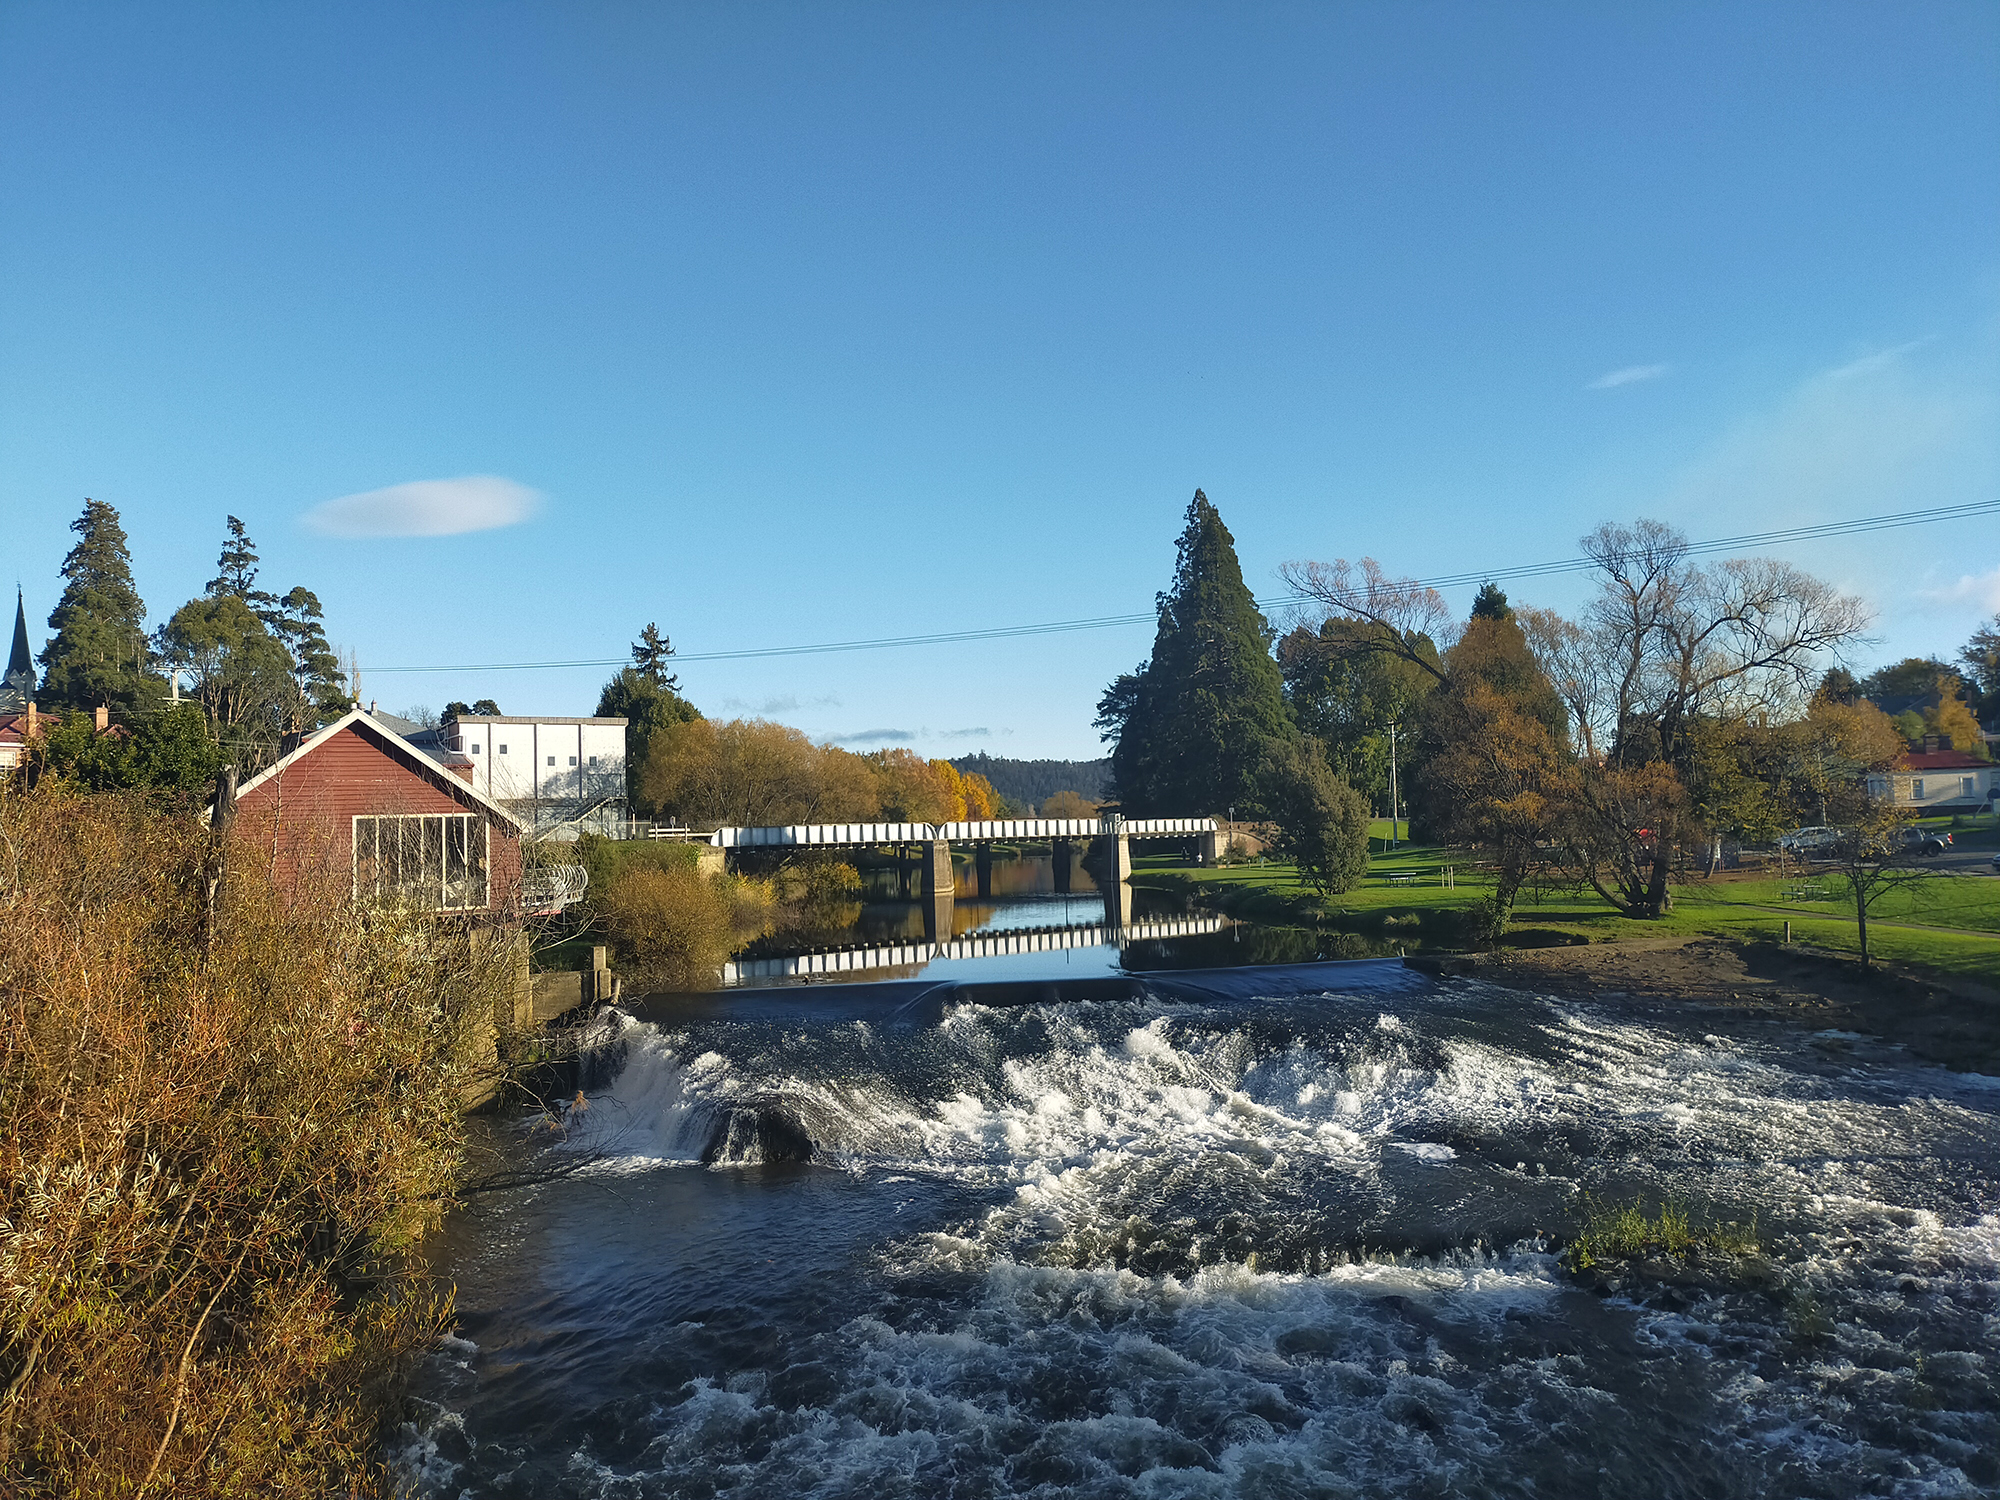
(782, 324)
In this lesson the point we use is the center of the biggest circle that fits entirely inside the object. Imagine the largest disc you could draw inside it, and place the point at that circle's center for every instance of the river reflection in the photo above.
(1029, 917)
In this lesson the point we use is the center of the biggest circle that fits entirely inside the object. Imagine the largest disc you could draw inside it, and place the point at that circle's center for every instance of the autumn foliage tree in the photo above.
(753, 773)
(1497, 771)
(1667, 650)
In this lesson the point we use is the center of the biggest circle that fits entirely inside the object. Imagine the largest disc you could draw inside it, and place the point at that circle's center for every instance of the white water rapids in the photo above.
(1213, 1243)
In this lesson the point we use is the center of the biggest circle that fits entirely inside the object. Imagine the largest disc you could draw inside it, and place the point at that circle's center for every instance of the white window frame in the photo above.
(477, 830)
(1916, 789)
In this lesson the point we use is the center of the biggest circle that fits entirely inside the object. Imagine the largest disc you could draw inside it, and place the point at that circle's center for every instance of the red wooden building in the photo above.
(358, 805)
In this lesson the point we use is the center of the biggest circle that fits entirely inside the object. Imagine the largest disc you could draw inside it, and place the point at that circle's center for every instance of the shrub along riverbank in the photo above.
(673, 926)
(1425, 897)
(225, 1139)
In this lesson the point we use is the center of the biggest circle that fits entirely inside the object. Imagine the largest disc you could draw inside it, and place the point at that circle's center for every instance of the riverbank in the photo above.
(1954, 1023)
(1935, 986)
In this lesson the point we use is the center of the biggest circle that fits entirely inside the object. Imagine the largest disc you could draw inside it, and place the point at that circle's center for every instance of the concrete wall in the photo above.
(517, 759)
(547, 770)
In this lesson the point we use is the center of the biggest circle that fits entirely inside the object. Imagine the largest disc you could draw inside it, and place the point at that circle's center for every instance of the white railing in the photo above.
(820, 835)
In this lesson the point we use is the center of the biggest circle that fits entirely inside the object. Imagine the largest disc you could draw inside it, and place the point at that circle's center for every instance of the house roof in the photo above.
(533, 719)
(1941, 760)
(396, 745)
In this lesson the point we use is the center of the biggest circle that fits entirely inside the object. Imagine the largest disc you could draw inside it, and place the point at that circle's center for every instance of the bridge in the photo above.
(973, 945)
(937, 838)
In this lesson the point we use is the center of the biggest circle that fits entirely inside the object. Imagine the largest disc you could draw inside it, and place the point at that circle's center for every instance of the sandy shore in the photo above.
(1957, 1026)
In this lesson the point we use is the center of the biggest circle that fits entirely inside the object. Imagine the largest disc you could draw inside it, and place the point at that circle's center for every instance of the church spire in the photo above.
(20, 662)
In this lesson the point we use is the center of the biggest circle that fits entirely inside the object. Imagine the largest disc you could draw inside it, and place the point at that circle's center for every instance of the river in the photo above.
(1263, 1231)
(1029, 920)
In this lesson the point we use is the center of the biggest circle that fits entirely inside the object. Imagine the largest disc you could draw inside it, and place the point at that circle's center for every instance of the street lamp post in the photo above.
(1395, 801)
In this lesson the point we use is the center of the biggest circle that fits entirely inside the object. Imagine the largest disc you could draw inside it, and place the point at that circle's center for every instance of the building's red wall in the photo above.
(303, 817)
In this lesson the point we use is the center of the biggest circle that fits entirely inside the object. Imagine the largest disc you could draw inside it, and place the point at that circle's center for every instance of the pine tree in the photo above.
(99, 655)
(1491, 603)
(644, 695)
(1194, 723)
(236, 573)
(322, 694)
(649, 655)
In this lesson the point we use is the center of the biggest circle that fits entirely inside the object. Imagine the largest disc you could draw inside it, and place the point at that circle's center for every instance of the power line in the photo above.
(1108, 622)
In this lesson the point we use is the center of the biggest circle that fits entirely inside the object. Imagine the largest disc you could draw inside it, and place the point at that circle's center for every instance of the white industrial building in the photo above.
(560, 777)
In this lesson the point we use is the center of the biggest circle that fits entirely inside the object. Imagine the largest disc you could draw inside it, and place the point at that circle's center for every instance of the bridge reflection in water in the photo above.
(911, 956)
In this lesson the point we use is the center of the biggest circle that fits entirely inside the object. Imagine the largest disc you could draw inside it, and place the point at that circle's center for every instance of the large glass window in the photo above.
(429, 861)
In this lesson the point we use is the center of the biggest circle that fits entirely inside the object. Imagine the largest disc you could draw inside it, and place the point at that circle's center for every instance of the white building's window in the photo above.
(503, 749)
(593, 760)
(429, 861)
(572, 761)
(1878, 786)
(552, 760)
(475, 747)
(1917, 789)
(1966, 787)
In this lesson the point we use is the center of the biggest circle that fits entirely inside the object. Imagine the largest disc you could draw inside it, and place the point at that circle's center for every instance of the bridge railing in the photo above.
(820, 835)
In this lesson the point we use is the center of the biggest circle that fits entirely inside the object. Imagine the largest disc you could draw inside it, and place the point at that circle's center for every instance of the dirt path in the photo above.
(1956, 1024)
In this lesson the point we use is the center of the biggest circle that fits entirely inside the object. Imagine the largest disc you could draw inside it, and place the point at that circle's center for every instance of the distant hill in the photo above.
(1029, 781)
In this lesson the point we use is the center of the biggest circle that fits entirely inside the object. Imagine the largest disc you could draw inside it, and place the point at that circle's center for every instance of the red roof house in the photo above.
(358, 805)
(1939, 781)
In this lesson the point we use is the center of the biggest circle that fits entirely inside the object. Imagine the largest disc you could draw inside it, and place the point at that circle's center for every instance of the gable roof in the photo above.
(396, 745)
(1942, 760)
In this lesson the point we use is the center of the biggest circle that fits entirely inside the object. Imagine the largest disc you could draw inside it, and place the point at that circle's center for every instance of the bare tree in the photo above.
(1409, 615)
(1666, 643)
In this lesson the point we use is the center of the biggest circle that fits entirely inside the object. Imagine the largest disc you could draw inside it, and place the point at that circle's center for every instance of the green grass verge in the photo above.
(1421, 896)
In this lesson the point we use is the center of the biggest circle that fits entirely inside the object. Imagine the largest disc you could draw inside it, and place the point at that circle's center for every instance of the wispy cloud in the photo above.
(788, 703)
(1870, 364)
(981, 733)
(1876, 434)
(1979, 589)
(1630, 375)
(874, 737)
(426, 507)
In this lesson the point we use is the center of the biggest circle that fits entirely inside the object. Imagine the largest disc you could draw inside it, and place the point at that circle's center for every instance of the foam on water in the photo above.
(1296, 1248)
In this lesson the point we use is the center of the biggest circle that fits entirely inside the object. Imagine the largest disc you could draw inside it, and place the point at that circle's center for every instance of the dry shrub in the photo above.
(674, 927)
(222, 1149)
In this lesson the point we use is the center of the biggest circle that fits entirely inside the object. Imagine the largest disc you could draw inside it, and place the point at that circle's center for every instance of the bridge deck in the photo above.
(823, 835)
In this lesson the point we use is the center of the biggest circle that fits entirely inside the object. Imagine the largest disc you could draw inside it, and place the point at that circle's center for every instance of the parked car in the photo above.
(1996, 864)
(1926, 841)
(1807, 840)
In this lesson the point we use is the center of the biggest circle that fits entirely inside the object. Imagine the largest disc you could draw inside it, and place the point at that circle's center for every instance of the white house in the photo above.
(560, 777)
(1938, 781)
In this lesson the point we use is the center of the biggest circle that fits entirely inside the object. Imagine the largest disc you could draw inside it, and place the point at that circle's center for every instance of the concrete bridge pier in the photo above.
(1210, 846)
(902, 872)
(1118, 905)
(1118, 849)
(1062, 852)
(982, 867)
(940, 888)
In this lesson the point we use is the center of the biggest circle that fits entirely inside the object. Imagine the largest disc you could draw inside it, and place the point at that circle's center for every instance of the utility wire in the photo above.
(1855, 527)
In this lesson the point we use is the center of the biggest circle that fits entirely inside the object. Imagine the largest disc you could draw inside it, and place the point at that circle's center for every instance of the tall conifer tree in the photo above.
(1193, 723)
(98, 656)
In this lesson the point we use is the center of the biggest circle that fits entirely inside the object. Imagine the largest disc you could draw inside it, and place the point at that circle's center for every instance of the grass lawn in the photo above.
(1420, 896)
